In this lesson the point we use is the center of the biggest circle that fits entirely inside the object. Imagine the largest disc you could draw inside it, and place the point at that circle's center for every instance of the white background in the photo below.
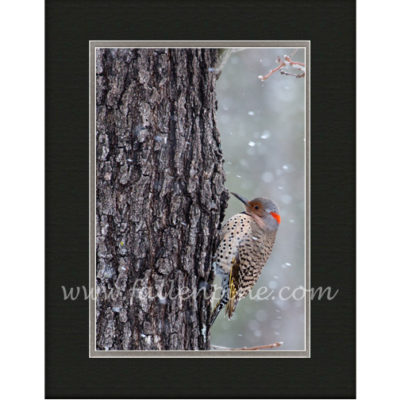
(22, 199)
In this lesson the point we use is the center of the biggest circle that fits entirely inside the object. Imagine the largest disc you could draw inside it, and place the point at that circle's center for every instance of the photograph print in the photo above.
(199, 199)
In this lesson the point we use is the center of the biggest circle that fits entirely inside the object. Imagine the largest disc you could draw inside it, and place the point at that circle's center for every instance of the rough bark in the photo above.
(160, 197)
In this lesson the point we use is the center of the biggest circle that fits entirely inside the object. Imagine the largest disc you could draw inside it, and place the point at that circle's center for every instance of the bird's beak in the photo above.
(242, 199)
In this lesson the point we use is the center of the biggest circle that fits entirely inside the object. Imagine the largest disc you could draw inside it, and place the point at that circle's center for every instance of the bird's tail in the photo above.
(230, 308)
(220, 305)
(233, 299)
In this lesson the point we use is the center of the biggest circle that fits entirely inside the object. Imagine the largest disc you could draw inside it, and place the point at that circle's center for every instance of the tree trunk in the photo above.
(160, 197)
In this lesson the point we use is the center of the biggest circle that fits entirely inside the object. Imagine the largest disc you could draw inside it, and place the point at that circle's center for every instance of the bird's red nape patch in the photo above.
(276, 216)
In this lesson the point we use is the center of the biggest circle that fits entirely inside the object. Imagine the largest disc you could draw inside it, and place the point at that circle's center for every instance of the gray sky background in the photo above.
(262, 126)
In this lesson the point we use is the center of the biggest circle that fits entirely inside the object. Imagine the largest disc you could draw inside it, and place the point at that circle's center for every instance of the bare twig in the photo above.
(299, 75)
(262, 347)
(287, 61)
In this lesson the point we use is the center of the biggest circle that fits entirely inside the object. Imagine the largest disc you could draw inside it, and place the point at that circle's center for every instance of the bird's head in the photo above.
(264, 211)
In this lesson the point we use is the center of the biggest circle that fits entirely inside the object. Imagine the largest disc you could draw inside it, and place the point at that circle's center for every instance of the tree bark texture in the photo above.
(160, 197)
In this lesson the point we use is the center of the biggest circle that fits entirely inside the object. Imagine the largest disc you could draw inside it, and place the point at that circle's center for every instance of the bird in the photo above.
(246, 242)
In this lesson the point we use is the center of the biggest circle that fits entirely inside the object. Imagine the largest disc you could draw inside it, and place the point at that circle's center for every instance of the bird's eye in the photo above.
(256, 207)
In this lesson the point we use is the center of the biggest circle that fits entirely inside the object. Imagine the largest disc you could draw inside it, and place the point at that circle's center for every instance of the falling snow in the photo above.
(265, 135)
(263, 149)
(272, 285)
(286, 199)
(267, 177)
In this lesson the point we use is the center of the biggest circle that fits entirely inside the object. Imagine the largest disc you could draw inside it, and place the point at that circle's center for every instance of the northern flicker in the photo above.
(245, 245)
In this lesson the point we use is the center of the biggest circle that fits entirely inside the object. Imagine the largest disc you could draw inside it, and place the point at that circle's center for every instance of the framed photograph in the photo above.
(200, 200)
